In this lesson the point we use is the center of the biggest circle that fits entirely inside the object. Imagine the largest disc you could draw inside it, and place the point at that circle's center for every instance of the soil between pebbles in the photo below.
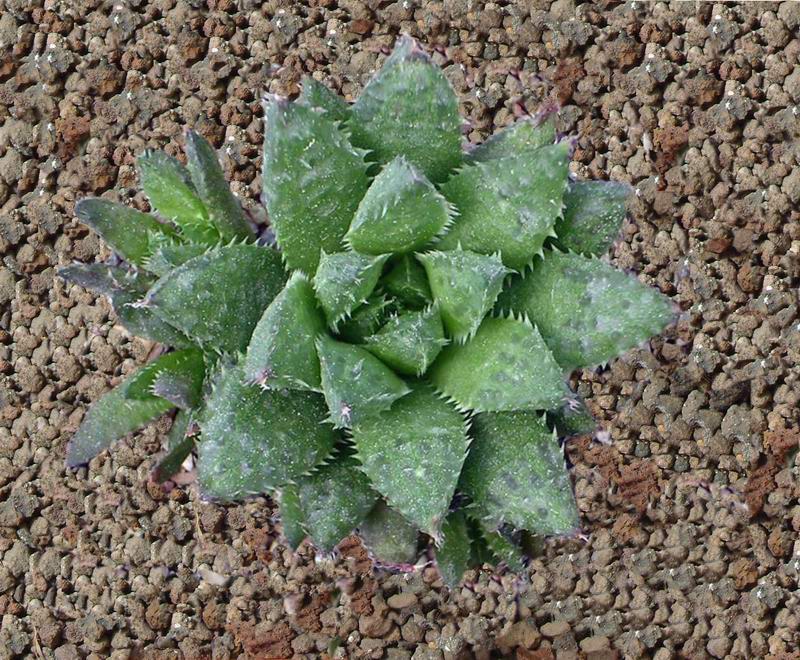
(690, 513)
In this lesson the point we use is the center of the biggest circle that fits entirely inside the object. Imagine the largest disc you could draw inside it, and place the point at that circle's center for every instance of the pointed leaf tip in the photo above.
(255, 440)
(282, 351)
(413, 454)
(593, 215)
(465, 286)
(401, 212)
(313, 179)
(515, 473)
(356, 384)
(409, 342)
(587, 311)
(223, 207)
(344, 280)
(410, 109)
(218, 297)
(125, 229)
(331, 503)
(522, 194)
(505, 366)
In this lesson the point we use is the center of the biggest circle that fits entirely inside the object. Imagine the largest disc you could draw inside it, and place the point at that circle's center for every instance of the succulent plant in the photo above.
(397, 363)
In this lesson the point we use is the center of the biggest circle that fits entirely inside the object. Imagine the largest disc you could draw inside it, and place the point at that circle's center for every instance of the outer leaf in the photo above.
(522, 135)
(292, 517)
(107, 280)
(521, 194)
(124, 289)
(389, 537)
(186, 363)
(166, 255)
(409, 109)
(587, 311)
(172, 195)
(123, 228)
(465, 286)
(505, 550)
(413, 454)
(401, 212)
(254, 440)
(409, 342)
(491, 546)
(179, 446)
(218, 297)
(593, 216)
(408, 282)
(453, 555)
(282, 353)
(344, 280)
(572, 418)
(366, 320)
(313, 179)
(505, 366)
(334, 500)
(115, 414)
(317, 95)
(356, 383)
(181, 383)
(224, 209)
(515, 473)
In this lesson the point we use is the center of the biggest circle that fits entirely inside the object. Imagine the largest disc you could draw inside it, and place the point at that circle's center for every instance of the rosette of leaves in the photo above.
(396, 364)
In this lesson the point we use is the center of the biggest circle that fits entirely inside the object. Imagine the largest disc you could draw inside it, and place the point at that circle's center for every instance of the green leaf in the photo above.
(167, 254)
(505, 366)
(408, 282)
(107, 280)
(187, 363)
(515, 473)
(218, 297)
(313, 179)
(316, 95)
(410, 109)
(465, 286)
(572, 418)
(366, 320)
(401, 212)
(587, 311)
(172, 195)
(453, 555)
(344, 280)
(593, 216)
(179, 446)
(124, 289)
(388, 536)
(224, 209)
(125, 229)
(114, 414)
(522, 135)
(509, 204)
(292, 517)
(413, 454)
(333, 500)
(409, 342)
(503, 549)
(254, 440)
(356, 383)
(282, 351)
(181, 382)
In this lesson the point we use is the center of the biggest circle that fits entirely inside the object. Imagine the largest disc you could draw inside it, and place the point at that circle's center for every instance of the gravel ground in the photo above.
(689, 496)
